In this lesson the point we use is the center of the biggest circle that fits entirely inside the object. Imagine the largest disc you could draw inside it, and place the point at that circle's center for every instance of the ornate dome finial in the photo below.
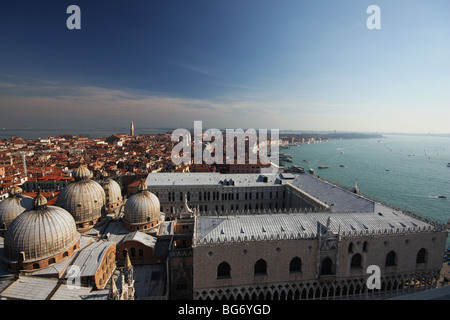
(82, 172)
(142, 186)
(40, 202)
(15, 190)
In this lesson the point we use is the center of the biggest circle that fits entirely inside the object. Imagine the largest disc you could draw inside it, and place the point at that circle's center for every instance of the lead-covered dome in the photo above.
(81, 172)
(113, 192)
(40, 237)
(13, 206)
(142, 210)
(84, 199)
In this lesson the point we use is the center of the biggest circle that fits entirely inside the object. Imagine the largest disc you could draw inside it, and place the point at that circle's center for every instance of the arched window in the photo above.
(356, 261)
(350, 247)
(421, 256)
(390, 259)
(326, 267)
(365, 246)
(223, 270)
(260, 267)
(295, 265)
(36, 266)
(141, 253)
(133, 252)
(51, 261)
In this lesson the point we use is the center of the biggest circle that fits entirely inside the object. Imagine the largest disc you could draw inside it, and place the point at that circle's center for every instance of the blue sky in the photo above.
(263, 64)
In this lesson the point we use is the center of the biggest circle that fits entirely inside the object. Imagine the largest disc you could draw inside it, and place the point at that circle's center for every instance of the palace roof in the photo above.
(299, 225)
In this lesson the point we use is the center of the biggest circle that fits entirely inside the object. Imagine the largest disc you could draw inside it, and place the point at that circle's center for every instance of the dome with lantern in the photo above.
(13, 206)
(113, 193)
(40, 237)
(83, 198)
(142, 211)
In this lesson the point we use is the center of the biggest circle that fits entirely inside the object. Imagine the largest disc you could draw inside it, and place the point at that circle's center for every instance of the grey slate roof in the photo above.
(150, 280)
(30, 288)
(339, 199)
(162, 247)
(301, 225)
(210, 178)
(142, 237)
(41, 288)
(88, 259)
(65, 292)
(115, 231)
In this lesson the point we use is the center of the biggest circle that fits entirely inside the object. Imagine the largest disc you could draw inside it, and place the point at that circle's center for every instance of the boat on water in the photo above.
(311, 170)
(442, 197)
(448, 164)
(323, 167)
(297, 169)
(342, 166)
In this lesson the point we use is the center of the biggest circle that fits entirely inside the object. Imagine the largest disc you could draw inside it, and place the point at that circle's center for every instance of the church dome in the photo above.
(13, 206)
(81, 172)
(84, 198)
(142, 210)
(113, 192)
(45, 232)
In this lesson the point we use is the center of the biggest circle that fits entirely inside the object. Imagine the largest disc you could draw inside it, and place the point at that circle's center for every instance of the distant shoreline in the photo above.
(42, 133)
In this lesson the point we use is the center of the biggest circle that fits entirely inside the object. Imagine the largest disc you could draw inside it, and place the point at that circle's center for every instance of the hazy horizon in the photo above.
(283, 131)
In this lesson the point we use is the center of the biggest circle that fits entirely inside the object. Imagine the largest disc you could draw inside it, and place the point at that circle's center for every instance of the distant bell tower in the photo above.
(132, 129)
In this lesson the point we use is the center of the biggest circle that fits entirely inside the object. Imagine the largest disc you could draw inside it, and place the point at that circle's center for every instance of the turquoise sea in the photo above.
(407, 171)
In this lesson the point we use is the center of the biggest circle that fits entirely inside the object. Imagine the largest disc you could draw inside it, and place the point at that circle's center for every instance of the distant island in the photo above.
(329, 136)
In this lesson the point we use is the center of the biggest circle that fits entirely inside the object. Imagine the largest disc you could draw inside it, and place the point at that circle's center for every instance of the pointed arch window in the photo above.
(421, 256)
(326, 267)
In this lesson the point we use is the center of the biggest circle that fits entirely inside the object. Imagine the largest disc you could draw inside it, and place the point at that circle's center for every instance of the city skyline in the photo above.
(295, 65)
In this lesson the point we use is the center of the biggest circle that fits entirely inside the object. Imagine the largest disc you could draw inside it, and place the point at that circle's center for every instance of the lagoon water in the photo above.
(408, 171)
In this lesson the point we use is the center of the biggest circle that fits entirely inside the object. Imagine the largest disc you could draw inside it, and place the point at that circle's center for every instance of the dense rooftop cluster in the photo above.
(49, 162)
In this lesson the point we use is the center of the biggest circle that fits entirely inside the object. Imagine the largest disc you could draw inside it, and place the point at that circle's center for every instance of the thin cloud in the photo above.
(195, 68)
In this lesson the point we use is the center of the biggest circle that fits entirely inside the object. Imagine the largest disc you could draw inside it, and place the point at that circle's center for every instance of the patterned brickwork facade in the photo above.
(410, 270)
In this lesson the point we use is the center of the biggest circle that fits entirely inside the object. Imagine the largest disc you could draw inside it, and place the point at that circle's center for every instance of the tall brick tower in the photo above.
(132, 129)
